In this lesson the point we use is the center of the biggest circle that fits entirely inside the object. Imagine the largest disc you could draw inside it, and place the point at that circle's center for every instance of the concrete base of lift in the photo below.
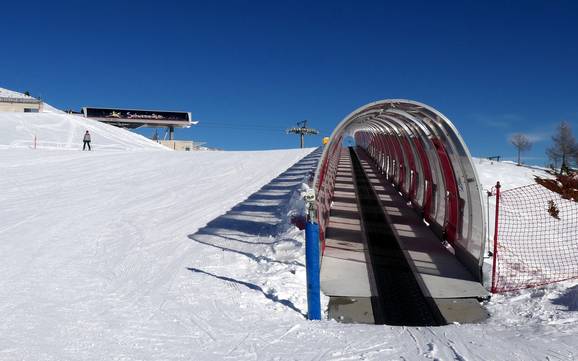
(360, 310)
(462, 310)
(351, 310)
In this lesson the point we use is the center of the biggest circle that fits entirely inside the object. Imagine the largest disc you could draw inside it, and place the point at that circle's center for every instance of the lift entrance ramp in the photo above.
(401, 219)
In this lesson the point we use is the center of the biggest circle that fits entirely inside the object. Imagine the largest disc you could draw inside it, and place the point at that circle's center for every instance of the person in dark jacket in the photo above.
(86, 140)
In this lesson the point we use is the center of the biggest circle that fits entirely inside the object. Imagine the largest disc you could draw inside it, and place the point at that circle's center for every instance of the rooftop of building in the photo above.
(7, 95)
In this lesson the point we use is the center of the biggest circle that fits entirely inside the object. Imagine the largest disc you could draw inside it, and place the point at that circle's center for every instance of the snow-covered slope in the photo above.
(56, 130)
(510, 176)
(47, 108)
(507, 173)
(188, 256)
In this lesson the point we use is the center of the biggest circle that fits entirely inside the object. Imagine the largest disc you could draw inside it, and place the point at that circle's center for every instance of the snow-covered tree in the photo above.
(565, 148)
(521, 142)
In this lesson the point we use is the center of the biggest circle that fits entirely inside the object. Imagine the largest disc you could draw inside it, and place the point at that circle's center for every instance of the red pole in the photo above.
(494, 263)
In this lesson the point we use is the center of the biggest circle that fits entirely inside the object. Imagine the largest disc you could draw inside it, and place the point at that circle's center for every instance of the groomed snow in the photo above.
(189, 256)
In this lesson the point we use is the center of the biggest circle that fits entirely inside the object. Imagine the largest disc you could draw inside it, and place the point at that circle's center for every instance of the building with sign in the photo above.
(136, 118)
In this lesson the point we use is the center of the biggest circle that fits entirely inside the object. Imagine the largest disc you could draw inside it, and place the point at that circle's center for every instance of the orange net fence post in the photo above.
(536, 240)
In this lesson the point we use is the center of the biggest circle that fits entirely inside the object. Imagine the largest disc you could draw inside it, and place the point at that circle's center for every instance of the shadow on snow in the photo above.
(568, 299)
(252, 286)
(256, 222)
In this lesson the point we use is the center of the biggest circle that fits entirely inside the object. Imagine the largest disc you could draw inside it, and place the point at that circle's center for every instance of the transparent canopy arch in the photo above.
(421, 153)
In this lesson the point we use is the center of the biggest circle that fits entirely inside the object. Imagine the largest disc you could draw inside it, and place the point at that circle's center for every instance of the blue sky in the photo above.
(249, 69)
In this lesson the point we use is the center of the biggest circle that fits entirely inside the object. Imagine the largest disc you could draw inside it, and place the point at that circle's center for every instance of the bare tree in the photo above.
(521, 142)
(564, 147)
(554, 158)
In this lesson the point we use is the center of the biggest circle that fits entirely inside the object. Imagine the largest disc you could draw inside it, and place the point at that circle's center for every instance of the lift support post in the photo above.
(312, 259)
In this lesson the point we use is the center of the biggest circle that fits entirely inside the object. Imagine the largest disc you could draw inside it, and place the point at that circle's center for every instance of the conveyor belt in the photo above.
(399, 299)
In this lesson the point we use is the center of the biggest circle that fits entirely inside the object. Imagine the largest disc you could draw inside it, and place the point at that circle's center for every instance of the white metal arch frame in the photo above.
(421, 152)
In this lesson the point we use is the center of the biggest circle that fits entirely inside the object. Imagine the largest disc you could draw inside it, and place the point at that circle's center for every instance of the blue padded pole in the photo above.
(312, 268)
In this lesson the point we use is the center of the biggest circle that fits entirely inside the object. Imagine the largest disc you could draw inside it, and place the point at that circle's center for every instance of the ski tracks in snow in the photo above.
(96, 249)
(434, 344)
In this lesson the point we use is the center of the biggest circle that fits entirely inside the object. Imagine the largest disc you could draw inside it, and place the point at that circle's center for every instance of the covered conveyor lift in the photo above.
(401, 219)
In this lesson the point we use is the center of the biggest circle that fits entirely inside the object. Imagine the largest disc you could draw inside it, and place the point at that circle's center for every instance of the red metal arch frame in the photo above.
(421, 152)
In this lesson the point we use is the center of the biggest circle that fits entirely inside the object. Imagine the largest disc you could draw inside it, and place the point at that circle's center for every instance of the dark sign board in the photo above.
(144, 117)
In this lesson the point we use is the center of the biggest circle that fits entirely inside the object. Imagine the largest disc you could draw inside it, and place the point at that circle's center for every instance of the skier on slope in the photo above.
(86, 140)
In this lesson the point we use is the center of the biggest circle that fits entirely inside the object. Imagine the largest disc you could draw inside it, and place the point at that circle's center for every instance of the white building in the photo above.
(11, 101)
